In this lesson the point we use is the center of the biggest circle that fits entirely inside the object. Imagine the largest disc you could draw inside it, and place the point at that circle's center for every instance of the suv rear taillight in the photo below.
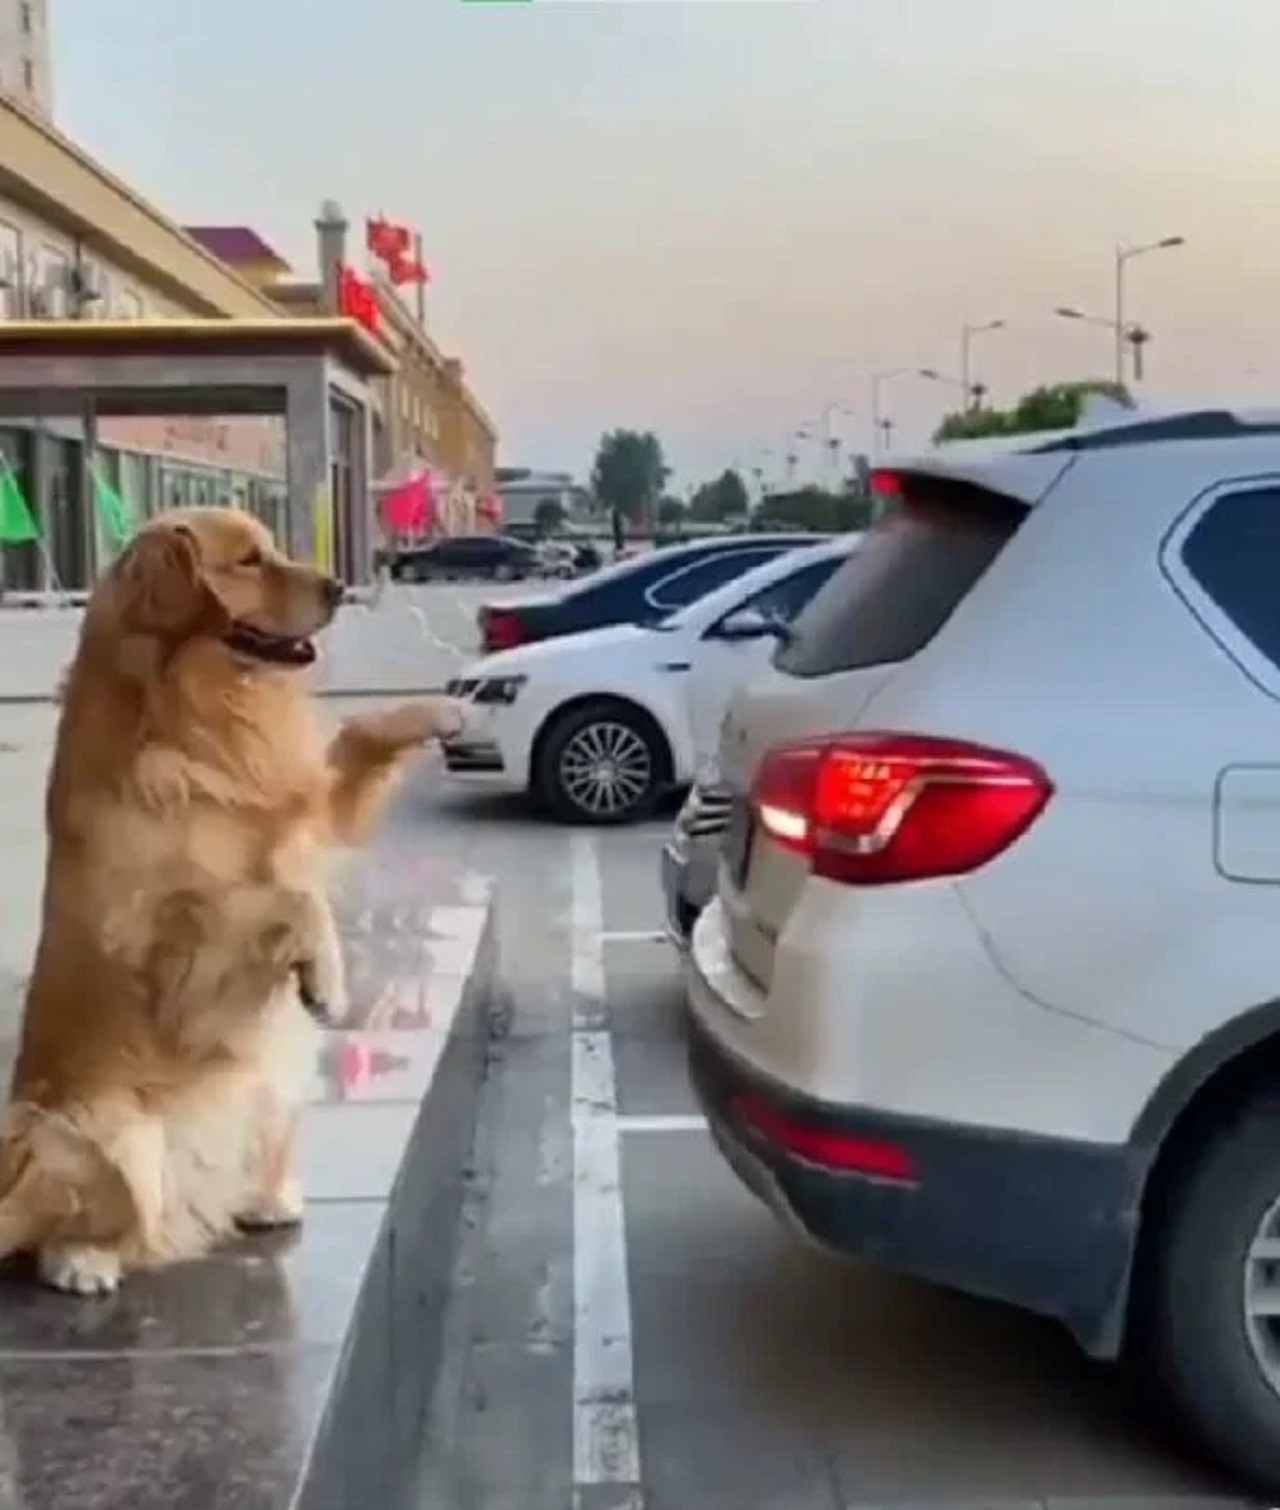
(872, 809)
(500, 629)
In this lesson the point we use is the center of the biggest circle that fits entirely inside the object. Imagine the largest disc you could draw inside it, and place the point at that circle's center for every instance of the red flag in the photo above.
(410, 509)
(386, 241)
(408, 270)
(357, 300)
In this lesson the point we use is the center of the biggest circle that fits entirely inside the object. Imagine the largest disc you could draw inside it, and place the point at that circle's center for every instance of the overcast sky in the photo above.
(716, 218)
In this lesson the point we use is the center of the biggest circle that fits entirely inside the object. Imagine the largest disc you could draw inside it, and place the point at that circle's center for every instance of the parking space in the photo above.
(666, 1318)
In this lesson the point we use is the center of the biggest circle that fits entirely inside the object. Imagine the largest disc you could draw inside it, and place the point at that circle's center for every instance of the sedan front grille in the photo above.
(706, 812)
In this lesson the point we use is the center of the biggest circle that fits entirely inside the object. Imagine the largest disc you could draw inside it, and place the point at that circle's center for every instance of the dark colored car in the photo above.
(641, 589)
(495, 556)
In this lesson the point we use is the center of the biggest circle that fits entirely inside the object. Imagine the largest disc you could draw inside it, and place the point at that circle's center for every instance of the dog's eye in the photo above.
(251, 558)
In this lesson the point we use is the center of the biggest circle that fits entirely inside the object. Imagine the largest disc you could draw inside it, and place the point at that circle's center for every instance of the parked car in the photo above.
(640, 589)
(988, 991)
(462, 556)
(598, 725)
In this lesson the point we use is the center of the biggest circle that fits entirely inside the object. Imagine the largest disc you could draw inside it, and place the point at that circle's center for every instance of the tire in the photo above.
(570, 743)
(1192, 1330)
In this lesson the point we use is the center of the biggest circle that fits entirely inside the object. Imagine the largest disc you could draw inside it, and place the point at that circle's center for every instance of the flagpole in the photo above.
(422, 282)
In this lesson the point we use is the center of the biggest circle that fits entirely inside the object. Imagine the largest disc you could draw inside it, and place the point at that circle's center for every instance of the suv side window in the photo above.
(696, 581)
(1233, 554)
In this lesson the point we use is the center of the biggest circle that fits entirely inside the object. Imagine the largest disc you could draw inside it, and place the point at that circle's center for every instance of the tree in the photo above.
(548, 517)
(1052, 406)
(670, 512)
(629, 474)
(725, 498)
(816, 509)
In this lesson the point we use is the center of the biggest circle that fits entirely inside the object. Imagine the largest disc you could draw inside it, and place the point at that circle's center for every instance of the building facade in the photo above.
(76, 243)
(26, 70)
(527, 494)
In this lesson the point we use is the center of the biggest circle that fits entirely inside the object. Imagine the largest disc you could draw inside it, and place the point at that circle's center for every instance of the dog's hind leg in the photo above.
(119, 1217)
(277, 1199)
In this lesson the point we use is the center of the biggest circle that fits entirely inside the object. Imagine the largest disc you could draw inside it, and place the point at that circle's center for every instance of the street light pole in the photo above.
(830, 439)
(967, 333)
(1124, 255)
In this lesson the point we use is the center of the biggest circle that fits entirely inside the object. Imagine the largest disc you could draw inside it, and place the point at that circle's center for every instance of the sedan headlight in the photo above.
(498, 689)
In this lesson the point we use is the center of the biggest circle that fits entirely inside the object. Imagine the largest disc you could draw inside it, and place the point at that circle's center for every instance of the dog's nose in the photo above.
(333, 591)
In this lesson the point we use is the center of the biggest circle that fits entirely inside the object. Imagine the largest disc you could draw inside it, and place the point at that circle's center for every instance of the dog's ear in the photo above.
(162, 588)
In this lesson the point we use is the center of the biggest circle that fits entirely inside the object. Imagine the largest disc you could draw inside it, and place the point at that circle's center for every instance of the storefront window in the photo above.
(21, 566)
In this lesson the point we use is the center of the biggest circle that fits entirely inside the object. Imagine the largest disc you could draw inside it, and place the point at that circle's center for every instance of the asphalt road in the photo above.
(660, 1324)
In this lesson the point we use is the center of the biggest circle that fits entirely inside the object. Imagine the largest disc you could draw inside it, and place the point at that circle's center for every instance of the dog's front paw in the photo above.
(411, 724)
(80, 1270)
(282, 1207)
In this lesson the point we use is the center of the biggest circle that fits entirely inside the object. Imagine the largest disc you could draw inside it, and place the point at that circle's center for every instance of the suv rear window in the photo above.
(906, 579)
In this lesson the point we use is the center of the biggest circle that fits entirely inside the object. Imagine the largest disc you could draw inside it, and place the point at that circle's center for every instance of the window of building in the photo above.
(10, 271)
(50, 298)
(28, 76)
(25, 19)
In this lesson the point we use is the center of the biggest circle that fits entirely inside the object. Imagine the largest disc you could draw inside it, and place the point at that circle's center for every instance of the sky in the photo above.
(718, 218)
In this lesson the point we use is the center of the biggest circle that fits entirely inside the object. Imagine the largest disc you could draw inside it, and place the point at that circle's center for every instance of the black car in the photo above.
(638, 590)
(498, 557)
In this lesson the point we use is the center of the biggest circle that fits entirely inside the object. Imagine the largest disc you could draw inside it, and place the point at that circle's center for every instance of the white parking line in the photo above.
(634, 936)
(660, 1124)
(606, 1437)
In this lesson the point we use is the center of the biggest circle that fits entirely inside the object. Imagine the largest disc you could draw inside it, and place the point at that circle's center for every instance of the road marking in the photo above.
(606, 1436)
(634, 936)
(659, 1124)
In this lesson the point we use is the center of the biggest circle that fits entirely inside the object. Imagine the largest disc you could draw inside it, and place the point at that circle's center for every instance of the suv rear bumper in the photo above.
(1043, 1224)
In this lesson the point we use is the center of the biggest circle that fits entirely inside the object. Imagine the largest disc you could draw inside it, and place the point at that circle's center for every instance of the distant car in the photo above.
(558, 558)
(639, 590)
(598, 726)
(586, 556)
(497, 557)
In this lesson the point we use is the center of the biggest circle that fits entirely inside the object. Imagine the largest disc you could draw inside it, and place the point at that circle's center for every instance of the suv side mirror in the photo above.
(748, 624)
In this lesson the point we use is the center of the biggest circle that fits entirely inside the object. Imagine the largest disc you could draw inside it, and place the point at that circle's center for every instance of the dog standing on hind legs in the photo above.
(192, 804)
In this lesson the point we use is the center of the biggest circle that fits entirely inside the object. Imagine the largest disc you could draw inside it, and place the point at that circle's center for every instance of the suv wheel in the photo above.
(1210, 1325)
(601, 764)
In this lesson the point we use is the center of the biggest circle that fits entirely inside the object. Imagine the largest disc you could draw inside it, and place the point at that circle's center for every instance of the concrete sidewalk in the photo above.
(26, 743)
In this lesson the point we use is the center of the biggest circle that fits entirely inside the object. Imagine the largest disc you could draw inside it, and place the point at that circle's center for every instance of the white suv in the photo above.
(990, 991)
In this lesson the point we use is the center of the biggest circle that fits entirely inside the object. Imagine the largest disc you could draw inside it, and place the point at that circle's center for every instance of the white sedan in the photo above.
(598, 726)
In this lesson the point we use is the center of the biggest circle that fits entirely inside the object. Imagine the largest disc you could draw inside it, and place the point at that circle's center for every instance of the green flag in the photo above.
(17, 523)
(116, 515)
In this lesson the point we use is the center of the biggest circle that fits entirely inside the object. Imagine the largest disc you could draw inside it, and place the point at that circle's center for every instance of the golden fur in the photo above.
(191, 804)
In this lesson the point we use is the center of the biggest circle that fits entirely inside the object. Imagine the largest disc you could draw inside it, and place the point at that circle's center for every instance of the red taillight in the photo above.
(872, 1158)
(884, 483)
(871, 809)
(502, 630)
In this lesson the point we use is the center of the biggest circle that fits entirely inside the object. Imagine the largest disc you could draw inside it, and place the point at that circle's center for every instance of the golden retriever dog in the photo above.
(192, 802)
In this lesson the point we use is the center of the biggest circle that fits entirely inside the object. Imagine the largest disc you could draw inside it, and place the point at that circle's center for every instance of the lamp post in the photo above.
(1135, 336)
(793, 456)
(882, 429)
(1123, 257)
(831, 440)
(967, 333)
